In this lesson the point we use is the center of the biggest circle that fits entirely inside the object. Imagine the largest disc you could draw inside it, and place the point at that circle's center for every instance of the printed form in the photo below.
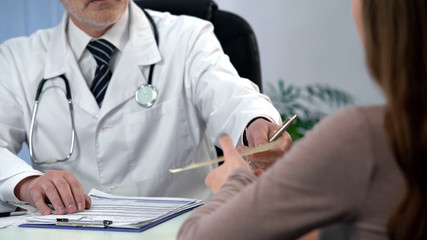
(123, 212)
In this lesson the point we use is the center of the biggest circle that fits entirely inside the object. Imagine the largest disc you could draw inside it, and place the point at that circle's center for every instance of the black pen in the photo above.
(288, 121)
(18, 211)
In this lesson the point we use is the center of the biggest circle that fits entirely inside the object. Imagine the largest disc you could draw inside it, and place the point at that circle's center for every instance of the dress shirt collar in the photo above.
(117, 35)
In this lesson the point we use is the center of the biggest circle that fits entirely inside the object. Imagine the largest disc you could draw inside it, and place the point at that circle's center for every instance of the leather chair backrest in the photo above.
(233, 32)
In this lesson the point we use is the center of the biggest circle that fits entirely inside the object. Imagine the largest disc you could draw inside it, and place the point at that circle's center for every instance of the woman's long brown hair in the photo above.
(396, 48)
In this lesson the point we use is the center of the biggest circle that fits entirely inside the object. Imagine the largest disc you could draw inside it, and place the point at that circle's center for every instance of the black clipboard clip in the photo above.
(79, 223)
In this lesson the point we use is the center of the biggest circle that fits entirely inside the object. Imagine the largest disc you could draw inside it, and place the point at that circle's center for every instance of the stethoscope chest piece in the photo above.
(146, 95)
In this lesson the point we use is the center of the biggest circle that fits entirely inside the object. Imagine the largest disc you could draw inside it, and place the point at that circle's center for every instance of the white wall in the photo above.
(308, 41)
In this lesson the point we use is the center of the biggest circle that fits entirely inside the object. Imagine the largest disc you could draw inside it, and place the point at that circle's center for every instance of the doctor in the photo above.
(125, 141)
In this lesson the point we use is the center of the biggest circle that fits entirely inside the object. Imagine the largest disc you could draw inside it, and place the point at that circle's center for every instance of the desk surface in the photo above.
(166, 230)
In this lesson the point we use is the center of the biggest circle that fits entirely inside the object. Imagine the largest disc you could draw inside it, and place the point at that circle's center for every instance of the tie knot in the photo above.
(102, 50)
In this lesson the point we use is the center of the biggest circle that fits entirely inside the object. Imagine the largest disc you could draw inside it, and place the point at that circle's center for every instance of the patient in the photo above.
(359, 174)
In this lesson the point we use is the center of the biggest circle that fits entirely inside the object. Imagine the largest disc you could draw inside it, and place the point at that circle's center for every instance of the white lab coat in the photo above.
(124, 148)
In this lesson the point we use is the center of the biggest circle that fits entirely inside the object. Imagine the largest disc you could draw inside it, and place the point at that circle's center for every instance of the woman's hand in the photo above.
(216, 178)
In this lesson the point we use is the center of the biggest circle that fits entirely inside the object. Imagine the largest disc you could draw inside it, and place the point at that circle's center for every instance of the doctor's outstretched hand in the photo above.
(60, 188)
(259, 132)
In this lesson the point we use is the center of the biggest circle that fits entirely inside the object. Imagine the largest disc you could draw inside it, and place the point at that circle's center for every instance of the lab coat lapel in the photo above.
(139, 53)
(61, 60)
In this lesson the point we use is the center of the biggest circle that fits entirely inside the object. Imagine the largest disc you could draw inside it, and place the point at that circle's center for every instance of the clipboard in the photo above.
(117, 213)
(112, 229)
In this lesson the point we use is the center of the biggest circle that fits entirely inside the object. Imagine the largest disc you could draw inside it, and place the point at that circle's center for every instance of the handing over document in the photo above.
(249, 151)
(119, 212)
(261, 148)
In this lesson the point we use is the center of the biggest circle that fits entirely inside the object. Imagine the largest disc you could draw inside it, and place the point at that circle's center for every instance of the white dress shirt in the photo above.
(118, 35)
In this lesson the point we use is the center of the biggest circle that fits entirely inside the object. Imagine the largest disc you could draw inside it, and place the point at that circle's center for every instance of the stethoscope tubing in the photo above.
(33, 118)
(156, 37)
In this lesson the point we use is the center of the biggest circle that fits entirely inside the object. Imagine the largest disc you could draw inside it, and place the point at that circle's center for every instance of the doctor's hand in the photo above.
(60, 188)
(232, 160)
(259, 132)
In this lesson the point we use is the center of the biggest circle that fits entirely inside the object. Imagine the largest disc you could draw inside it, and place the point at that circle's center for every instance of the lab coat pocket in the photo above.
(159, 139)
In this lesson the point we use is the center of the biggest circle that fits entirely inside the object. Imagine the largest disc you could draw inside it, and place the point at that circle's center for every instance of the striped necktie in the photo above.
(102, 51)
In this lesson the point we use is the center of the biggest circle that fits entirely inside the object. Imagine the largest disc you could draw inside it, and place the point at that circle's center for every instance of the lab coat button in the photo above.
(111, 188)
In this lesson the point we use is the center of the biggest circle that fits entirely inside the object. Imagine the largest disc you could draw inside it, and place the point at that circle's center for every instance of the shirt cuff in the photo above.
(243, 140)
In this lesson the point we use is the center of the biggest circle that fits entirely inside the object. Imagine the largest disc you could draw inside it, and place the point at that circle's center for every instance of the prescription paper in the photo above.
(261, 148)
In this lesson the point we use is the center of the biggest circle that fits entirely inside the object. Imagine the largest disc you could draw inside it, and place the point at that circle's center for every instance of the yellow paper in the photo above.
(246, 152)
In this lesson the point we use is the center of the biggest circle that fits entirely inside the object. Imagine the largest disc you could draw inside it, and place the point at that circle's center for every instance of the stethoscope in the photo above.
(145, 95)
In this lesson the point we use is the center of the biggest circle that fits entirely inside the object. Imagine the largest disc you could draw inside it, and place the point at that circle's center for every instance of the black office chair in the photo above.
(233, 32)
(235, 35)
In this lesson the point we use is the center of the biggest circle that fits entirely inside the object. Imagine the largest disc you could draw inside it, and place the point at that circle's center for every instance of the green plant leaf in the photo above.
(305, 101)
